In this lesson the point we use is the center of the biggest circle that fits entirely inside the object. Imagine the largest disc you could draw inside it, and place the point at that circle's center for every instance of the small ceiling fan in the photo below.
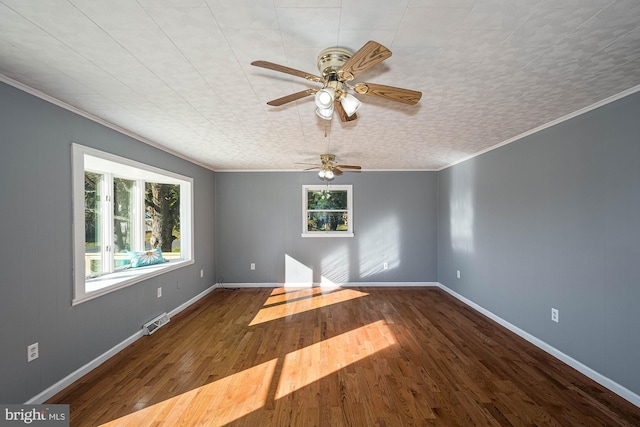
(329, 168)
(339, 67)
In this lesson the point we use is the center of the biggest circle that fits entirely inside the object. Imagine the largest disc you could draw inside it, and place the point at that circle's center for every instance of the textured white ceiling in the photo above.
(178, 74)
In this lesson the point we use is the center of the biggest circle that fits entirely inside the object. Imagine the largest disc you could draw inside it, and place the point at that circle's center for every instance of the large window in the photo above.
(131, 222)
(327, 211)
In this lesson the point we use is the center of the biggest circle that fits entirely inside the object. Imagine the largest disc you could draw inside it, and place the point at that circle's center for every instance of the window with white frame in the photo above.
(131, 222)
(327, 211)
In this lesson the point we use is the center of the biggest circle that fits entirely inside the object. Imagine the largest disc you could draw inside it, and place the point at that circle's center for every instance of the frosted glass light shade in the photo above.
(325, 113)
(325, 97)
(326, 174)
(350, 103)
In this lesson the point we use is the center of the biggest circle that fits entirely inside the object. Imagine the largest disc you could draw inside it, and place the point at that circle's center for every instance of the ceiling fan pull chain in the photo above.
(327, 128)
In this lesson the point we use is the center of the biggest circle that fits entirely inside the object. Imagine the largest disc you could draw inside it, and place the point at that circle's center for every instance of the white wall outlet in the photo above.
(458, 274)
(159, 292)
(32, 352)
(202, 273)
(385, 265)
(253, 265)
(555, 315)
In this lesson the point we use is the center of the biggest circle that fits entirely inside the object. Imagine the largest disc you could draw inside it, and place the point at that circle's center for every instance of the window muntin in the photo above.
(124, 192)
(112, 195)
(93, 183)
(327, 211)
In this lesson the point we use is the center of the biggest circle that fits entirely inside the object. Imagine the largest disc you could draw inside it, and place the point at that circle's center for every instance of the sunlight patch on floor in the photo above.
(217, 403)
(302, 303)
(280, 295)
(307, 365)
(237, 395)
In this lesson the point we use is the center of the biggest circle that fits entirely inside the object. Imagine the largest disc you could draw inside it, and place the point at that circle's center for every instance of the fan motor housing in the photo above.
(326, 158)
(332, 59)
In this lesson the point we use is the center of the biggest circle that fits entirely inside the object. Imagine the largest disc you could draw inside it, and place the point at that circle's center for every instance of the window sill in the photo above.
(105, 284)
(327, 234)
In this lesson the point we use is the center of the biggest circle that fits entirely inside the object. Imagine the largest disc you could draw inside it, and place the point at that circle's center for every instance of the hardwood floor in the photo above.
(349, 357)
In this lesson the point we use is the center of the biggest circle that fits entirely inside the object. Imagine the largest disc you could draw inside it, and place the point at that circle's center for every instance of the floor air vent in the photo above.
(153, 325)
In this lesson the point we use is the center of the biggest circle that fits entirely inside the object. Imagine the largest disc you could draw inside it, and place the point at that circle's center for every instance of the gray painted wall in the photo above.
(36, 250)
(553, 220)
(259, 219)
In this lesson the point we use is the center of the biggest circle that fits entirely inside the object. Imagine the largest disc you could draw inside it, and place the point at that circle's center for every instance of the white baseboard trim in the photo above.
(618, 389)
(82, 371)
(193, 300)
(248, 285)
(328, 285)
(389, 284)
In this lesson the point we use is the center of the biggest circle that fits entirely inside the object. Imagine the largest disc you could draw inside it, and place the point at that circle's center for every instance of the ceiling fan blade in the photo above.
(343, 114)
(349, 167)
(406, 96)
(292, 97)
(287, 70)
(369, 55)
(336, 171)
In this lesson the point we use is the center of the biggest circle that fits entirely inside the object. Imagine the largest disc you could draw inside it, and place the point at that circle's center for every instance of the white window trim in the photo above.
(88, 158)
(349, 232)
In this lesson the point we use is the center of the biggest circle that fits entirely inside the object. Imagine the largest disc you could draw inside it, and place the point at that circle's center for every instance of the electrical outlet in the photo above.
(385, 265)
(458, 274)
(32, 352)
(201, 273)
(159, 292)
(253, 265)
(555, 315)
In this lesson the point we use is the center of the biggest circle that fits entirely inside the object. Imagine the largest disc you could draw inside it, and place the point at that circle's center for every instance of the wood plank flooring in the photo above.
(347, 357)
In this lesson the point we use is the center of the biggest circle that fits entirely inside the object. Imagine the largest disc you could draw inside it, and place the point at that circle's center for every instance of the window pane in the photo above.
(123, 229)
(327, 199)
(327, 221)
(92, 231)
(162, 218)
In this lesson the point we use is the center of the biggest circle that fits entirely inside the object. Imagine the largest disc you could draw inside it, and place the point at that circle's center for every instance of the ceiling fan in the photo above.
(339, 67)
(329, 168)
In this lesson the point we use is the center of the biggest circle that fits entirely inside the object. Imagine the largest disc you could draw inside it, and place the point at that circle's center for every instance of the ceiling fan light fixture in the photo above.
(328, 174)
(339, 66)
(350, 103)
(325, 98)
(325, 113)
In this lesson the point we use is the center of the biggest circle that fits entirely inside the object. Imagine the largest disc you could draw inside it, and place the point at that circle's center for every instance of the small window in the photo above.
(327, 211)
(131, 222)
